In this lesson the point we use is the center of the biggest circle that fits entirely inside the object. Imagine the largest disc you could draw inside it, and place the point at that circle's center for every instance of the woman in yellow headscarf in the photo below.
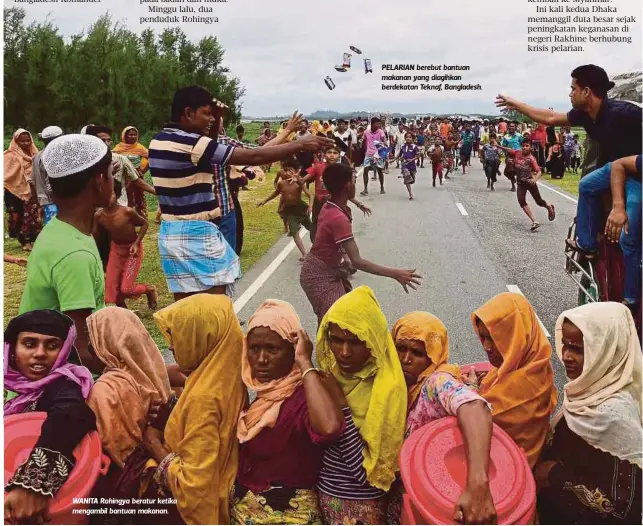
(355, 346)
(435, 391)
(139, 157)
(25, 214)
(199, 457)
(520, 385)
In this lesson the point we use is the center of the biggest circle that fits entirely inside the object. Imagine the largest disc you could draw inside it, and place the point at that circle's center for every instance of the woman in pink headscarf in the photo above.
(38, 377)
(25, 214)
(286, 429)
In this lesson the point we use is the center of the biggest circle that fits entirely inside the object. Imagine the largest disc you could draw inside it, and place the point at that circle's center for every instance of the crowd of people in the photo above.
(320, 441)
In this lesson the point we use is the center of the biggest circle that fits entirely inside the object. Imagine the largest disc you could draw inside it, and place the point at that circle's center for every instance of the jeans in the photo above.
(589, 222)
(228, 226)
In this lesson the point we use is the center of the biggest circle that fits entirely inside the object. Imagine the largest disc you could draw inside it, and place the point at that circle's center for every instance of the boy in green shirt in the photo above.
(64, 271)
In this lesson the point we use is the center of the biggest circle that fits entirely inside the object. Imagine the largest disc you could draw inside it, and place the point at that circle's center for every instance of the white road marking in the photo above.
(265, 275)
(516, 289)
(462, 210)
(557, 192)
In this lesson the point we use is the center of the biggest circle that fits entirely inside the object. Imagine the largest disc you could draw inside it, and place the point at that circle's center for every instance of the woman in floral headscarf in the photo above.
(25, 214)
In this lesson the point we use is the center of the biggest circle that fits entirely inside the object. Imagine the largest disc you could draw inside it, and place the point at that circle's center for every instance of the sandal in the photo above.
(573, 245)
(552, 215)
(535, 226)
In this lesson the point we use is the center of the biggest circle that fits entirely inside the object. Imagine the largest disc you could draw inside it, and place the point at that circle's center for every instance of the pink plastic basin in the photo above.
(21, 432)
(481, 367)
(434, 470)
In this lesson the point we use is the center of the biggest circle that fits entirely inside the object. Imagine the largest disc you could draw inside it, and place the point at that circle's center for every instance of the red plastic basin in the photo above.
(21, 432)
(434, 470)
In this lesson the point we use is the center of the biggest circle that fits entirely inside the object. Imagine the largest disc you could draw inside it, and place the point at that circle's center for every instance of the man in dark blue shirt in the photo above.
(616, 126)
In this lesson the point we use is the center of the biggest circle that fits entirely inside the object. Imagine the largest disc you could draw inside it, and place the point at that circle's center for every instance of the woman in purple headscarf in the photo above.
(38, 377)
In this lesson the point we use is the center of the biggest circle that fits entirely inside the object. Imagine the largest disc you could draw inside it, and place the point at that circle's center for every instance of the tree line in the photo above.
(107, 75)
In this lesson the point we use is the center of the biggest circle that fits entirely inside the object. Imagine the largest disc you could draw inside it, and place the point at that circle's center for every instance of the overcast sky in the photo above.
(283, 49)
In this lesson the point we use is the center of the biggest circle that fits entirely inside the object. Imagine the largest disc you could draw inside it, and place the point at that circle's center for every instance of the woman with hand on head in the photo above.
(284, 432)
(38, 375)
(590, 471)
(356, 348)
(435, 391)
(520, 385)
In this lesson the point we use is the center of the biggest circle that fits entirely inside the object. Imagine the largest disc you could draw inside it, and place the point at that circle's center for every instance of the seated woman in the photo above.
(520, 385)
(198, 453)
(435, 391)
(590, 473)
(284, 432)
(355, 346)
(37, 347)
(134, 384)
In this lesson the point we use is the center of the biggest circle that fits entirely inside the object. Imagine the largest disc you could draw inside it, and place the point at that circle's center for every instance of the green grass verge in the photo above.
(569, 182)
(263, 228)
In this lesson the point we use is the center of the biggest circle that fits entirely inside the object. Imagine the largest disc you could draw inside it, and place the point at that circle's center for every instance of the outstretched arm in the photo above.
(548, 117)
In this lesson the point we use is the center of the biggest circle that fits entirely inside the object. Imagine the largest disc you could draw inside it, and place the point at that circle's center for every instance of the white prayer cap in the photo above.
(71, 154)
(83, 130)
(50, 132)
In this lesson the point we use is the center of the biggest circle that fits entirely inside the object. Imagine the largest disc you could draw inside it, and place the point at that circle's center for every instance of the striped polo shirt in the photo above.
(222, 176)
(181, 165)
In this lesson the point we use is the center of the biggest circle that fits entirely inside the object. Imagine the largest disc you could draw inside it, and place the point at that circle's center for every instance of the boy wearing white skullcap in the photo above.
(39, 175)
(65, 272)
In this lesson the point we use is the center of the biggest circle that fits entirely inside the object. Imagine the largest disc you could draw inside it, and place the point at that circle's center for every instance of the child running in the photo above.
(319, 274)
(436, 152)
(527, 173)
(296, 212)
(409, 155)
(490, 159)
(315, 173)
(126, 252)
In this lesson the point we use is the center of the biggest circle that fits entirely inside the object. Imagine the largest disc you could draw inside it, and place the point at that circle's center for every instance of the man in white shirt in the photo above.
(399, 141)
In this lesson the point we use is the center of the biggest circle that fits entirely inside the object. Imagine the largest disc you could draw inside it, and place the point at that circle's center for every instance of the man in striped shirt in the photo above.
(195, 257)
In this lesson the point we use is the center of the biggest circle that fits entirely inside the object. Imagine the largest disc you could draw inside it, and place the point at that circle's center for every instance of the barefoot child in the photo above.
(297, 213)
(436, 153)
(409, 155)
(315, 174)
(527, 173)
(490, 159)
(126, 253)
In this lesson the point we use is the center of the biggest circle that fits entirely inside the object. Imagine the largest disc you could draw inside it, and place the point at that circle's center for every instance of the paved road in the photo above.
(465, 259)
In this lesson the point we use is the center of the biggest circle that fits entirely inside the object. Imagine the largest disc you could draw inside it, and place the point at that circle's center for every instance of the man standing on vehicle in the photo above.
(614, 124)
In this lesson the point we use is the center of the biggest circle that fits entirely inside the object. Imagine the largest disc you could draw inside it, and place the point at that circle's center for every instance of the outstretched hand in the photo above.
(502, 101)
(294, 122)
(407, 278)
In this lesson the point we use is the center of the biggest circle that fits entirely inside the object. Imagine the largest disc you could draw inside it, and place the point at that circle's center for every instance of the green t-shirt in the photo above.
(64, 272)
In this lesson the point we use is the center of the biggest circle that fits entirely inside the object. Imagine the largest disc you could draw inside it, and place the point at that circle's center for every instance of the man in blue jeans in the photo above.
(623, 225)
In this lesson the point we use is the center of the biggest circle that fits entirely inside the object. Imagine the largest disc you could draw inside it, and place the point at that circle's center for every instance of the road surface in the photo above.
(469, 244)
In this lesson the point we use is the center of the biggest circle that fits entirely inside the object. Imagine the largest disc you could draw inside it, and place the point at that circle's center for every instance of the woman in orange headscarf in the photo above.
(139, 157)
(25, 214)
(435, 391)
(520, 385)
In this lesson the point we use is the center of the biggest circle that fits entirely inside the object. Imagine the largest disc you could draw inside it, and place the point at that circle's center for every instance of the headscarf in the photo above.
(316, 128)
(133, 149)
(521, 391)
(428, 329)
(207, 340)
(17, 167)
(279, 317)
(51, 323)
(376, 395)
(603, 405)
(134, 377)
